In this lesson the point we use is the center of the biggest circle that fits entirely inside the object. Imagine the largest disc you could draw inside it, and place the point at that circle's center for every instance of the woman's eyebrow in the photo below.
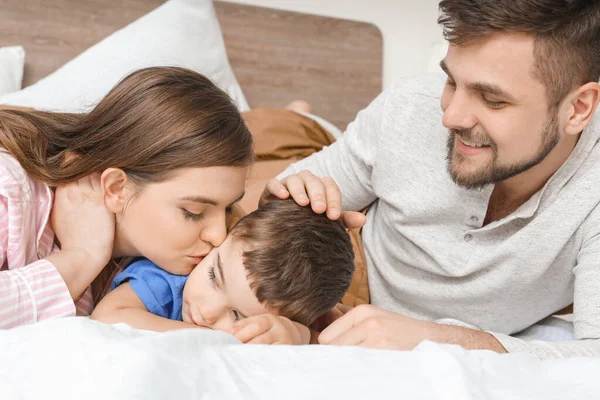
(199, 199)
(205, 200)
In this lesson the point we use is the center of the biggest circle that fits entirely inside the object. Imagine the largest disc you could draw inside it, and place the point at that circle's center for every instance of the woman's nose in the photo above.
(215, 231)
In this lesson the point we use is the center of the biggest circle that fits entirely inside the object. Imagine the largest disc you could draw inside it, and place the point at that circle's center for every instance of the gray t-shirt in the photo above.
(428, 255)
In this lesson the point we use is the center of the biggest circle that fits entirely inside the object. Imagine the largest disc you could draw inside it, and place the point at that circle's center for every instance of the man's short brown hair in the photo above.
(299, 263)
(566, 34)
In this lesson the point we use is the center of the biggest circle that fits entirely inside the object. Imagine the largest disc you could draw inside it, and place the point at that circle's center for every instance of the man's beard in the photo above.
(492, 172)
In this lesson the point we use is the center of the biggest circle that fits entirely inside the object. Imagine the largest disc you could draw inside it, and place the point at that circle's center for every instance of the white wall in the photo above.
(413, 42)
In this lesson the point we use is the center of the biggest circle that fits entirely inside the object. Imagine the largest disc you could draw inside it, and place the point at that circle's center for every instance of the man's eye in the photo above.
(494, 104)
(191, 215)
(451, 83)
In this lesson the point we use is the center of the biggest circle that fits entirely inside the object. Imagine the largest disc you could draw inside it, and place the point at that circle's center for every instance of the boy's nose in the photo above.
(211, 311)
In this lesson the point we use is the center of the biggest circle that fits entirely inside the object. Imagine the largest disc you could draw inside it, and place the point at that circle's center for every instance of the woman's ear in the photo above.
(118, 189)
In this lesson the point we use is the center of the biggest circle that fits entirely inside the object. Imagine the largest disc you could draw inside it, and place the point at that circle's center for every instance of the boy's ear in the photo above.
(118, 189)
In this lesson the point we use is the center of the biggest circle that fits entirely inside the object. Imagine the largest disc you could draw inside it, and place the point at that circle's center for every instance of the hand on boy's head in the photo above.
(323, 194)
(270, 329)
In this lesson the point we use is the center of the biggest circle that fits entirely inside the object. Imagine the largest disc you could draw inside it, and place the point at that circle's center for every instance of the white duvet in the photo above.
(76, 358)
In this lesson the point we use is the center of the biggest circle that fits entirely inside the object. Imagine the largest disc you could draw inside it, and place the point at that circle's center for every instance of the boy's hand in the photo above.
(270, 329)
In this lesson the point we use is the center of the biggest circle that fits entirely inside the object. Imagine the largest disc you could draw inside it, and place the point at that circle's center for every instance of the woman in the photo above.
(152, 171)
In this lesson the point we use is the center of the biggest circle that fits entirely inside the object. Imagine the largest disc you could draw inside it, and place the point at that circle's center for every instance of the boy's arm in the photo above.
(123, 305)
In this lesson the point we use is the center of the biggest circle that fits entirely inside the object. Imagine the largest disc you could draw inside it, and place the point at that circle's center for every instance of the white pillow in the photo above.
(182, 33)
(12, 62)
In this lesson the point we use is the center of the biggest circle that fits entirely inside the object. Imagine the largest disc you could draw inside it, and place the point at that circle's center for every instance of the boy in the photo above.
(279, 269)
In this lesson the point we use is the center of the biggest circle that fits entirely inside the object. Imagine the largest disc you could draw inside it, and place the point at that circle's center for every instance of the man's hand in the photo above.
(270, 329)
(323, 194)
(330, 317)
(369, 326)
(372, 327)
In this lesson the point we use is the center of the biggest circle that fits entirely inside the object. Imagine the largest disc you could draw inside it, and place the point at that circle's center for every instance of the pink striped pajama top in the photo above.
(31, 289)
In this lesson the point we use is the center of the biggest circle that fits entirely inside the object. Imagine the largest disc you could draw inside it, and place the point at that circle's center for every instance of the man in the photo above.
(484, 216)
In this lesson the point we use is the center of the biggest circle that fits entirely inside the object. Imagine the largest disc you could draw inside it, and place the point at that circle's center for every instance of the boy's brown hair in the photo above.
(566, 33)
(300, 263)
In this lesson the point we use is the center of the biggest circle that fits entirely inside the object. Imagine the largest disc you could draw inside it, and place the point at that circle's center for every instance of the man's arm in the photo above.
(466, 337)
(123, 305)
(372, 327)
(472, 339)
(550, 350)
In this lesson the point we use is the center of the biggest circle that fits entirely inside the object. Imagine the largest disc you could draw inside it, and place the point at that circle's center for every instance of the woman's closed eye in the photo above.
(191, 216)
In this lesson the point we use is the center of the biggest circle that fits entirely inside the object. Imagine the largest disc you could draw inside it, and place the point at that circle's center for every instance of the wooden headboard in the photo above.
(277, 56)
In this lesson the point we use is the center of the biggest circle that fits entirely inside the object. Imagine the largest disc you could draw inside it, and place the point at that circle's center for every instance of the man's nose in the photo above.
(458, 114)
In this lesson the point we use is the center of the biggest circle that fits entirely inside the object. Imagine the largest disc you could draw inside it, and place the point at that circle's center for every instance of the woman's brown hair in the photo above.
(153, 122)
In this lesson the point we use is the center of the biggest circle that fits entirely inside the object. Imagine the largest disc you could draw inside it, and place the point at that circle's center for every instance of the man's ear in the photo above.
(118, 189)
(582, 106)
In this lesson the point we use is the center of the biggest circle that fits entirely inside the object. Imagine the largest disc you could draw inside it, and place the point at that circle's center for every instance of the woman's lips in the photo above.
(196, 259)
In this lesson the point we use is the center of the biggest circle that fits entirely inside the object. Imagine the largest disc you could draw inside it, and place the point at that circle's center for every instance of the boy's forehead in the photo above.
(238, 283)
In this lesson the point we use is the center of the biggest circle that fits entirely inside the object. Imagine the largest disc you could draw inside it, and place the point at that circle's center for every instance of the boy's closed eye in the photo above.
(212, 274)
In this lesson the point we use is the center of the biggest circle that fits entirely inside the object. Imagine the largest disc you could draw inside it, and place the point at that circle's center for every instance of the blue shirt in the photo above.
(160, 291)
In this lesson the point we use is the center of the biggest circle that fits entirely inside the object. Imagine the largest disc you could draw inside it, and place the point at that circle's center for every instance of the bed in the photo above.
(276, 56)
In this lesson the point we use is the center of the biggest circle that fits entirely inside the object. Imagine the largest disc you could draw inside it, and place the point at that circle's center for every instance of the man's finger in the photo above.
(325, 320)
(274, 189)
(295, 185)
(338, 327)
(352, 318)
(343, 308)
(332, 315)
(353, 219)
(315, 188)
(356, 336)
(334, 198)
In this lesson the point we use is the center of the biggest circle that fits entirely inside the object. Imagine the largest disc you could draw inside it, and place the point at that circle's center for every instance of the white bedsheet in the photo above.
(76, 358)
